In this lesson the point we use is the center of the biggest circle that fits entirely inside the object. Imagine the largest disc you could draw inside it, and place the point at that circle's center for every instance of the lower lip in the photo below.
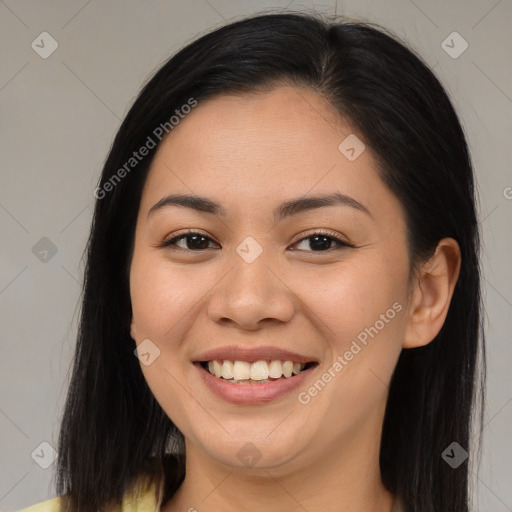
(252, 394)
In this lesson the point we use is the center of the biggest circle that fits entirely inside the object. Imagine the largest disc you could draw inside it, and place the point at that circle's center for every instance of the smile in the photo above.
(258, 372)
(248, 391)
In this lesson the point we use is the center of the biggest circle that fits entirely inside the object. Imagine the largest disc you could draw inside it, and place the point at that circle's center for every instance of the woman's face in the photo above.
(255, 283)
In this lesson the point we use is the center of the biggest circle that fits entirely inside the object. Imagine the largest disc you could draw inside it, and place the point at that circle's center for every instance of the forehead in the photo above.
(270, 117)
(251, 148)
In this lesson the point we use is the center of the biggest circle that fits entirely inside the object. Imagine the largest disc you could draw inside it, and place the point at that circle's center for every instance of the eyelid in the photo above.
(319, 232)
(182, 234)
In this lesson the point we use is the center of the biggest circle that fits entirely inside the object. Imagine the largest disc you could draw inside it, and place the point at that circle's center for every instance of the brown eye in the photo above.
(321, 242)
(195, 241)
(318, 242)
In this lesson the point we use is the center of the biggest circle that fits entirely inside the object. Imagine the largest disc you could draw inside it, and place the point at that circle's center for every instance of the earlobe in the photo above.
(432, 294)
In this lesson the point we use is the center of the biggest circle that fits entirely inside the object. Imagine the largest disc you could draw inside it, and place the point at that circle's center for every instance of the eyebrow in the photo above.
(285, 209)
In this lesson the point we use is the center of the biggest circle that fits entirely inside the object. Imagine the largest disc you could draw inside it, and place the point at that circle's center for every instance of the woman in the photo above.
(285, 237)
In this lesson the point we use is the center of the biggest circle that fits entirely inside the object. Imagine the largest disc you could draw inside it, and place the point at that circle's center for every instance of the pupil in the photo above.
(195, 237)
(325, 244)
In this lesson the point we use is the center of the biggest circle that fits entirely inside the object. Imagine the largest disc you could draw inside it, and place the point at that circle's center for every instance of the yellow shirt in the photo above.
(143, 502)
(136, 501)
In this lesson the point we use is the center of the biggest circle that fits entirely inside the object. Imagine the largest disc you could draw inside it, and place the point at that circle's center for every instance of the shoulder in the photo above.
(139, 498)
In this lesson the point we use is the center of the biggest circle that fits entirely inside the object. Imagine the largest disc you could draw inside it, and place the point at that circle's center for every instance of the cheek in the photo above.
(161, 295)
(162, 303)
(361, 308)
(352, 295)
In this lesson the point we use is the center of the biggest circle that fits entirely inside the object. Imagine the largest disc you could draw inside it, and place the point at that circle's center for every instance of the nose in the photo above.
(252, 295)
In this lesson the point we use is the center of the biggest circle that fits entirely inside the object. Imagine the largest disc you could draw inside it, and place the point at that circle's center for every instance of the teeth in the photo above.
(227, 370)
(249, 381)
(259, 370)
(287, 369)
(217, 369)
(242, 372)
(275, 369)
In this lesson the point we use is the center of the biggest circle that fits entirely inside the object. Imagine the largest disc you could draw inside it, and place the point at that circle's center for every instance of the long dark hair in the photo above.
(113, 430)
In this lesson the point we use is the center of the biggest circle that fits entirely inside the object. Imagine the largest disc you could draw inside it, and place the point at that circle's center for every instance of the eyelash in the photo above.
(341, 243)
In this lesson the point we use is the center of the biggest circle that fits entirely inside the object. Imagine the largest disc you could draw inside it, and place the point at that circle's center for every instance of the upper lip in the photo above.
(265, 353)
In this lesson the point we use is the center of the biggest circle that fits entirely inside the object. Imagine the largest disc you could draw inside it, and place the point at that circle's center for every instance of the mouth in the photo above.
(259, 372)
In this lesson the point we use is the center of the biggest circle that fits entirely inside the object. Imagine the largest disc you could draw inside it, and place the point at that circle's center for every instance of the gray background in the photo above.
(58, 117)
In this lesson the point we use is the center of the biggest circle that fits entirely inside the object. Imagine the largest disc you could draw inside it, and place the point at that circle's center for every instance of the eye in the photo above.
(197, 238)
(319, 240)
(322, 240)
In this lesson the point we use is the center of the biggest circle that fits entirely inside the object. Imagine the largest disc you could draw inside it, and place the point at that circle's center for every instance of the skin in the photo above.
(250, 153)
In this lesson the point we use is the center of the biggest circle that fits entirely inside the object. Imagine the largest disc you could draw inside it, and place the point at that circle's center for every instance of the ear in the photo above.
(432, 294)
